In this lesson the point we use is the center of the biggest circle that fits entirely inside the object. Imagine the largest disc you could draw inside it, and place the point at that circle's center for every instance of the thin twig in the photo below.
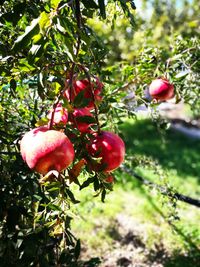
(53, 112)
(163, 190)
(125, 86)
(58, 100)
(78, 21)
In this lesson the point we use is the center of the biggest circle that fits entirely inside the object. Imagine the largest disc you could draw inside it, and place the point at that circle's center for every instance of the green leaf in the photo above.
(13, 84)
(55, 3)
(77, 249)
(127, 11)
(90, 4)
(37, 197)
(42, 122)
(86, 119)
(133, 4)
(24, 39)
(182, 74)
(24, 66)
(80, 101)
(103, 195)
(87, 182)
(37, 38)
(96, 184)
(34, 49)
(44, 22)
(54, 207)
(102, 8)
(41, 85)
(71, 196)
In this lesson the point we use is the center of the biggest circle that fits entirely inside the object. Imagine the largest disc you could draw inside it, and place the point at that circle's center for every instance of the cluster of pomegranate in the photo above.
(48, 148)
(45, 149)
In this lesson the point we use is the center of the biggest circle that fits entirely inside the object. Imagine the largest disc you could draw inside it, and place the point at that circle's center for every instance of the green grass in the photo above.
(178, 159)
(173, 152)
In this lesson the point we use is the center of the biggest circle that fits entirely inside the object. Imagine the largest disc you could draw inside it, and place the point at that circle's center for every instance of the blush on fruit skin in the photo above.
(109, 148)
(44, 150)
(109, 179)
(60, 115)
(83, 127)
(161, 89)
(84, 85)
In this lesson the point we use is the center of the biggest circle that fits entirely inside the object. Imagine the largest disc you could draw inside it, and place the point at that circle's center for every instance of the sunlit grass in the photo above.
(150, 212)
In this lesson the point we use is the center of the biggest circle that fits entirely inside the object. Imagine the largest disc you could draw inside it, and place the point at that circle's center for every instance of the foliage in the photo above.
(148, 216)
(44, 45)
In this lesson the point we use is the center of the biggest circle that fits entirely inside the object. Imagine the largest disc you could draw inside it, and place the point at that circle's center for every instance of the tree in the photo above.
(46, 46)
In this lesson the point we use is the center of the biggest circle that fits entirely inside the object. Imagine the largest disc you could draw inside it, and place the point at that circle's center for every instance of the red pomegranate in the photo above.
(60, 115)
(79, 113)
(109, 148)
(44, 150)
(88, 88)
(161, 89)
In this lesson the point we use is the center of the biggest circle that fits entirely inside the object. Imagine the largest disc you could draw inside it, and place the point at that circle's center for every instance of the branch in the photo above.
(58, 99)
(78, 21)
(163, 190)
(125, 86)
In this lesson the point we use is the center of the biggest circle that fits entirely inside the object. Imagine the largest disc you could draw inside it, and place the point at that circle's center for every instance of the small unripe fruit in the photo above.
(109, 149)
(161, 89)
(60, 115)
(44, 150)
(88, 88)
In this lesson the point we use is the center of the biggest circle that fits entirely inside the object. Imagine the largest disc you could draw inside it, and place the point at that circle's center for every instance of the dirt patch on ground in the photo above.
(128, 247)
(129, 250)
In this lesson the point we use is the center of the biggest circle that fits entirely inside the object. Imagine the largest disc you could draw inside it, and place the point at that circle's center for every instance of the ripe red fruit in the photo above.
(83, 127)
(44, 150)
(109, 148)
(60, 115)
(161, 89)
(84, 85)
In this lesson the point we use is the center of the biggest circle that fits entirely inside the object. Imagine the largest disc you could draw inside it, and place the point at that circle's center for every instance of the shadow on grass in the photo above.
(190, 260)
(172, 151)
(129, 241)
(177, 259)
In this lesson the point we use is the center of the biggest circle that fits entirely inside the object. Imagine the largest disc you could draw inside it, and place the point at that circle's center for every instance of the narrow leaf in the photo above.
(90, 4)
(102, 8)
(71, 196)
(24, 39)
(96, 184)
(86, 119)
(87, 182)
(77, 249)
(80, 101)
(103, 195)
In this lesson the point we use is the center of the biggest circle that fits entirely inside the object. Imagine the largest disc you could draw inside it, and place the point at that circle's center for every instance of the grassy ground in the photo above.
(137, 226)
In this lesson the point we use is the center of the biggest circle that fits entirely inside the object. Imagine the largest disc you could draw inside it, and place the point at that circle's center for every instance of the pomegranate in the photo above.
(109, 150)
(84, 85)
(44, 150)
(161, 89)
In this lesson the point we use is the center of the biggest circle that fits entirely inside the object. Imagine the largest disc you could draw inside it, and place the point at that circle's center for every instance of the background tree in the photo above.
(45, 46)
